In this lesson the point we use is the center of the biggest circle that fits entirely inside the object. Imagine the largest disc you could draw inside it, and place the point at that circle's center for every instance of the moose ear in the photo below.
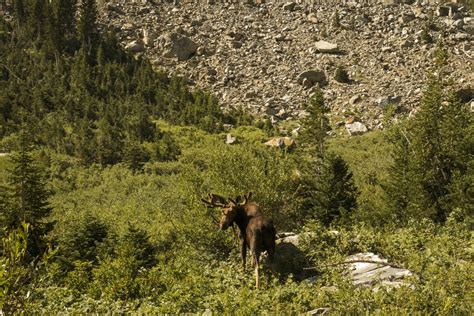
(249, 195)
(230, 199)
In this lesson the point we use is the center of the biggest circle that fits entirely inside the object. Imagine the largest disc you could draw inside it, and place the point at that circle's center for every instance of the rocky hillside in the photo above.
(268, 58)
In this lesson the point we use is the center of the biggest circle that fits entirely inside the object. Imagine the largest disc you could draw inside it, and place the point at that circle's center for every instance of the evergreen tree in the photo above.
(88, 30)
(136, 243)
(66, 11)
(38, 19)
(135, 155)
(329, 192)
(432, 151)
(315, 125)
(28, 202)
(83, 242)
(20, 12)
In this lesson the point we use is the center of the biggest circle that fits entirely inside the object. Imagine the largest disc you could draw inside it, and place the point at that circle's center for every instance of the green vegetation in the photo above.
(341, 75)
(107, 161)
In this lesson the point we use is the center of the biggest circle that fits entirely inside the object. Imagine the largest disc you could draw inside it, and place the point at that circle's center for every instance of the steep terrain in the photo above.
(256, 56)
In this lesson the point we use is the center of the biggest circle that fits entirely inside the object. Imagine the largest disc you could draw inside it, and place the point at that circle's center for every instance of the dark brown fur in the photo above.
(256, 231)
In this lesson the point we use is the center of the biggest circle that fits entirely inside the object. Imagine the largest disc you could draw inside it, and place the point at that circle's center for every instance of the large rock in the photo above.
(369, 269)
(384, 102)
(282, 143)
(356, 128)
(181, 47)
(135, 47)
(312, 77)
(326, 47)
(289, 259)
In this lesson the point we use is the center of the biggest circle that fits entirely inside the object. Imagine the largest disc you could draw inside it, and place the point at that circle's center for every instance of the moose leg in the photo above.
(243, 252)
(256, 256)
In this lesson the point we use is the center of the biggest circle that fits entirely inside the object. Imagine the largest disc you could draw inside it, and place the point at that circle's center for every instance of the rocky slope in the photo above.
(268, 58)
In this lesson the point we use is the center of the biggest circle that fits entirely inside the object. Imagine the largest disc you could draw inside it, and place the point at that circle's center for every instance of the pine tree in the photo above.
(28, 201)
(88, 30)
(429, 155)
(38, 19)
(315, 125)
(329, 192)
(136, 243)
(20, 12)
(83, 242)
(66, 11)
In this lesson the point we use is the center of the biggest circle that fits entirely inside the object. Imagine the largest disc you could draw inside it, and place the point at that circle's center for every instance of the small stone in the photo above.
(149, 37)
(354, 99)
(326, 47)
(408, 43)
(462, 36)
(312, 17)
(289, 6)
(235, 44)
(281, 142)
(229, 140)
(458, 24)
(181, 47)
(318, 311)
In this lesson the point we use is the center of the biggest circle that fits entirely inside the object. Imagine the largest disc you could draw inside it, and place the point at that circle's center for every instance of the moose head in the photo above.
(231, 209)
(229, 206)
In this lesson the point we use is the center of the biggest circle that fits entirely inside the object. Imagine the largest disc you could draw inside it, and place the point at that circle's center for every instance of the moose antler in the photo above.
(215, 200)
(233, 201)
(247, 198)
(241, 200)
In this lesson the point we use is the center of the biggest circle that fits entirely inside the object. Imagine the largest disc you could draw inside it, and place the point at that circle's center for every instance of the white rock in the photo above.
(356, 128)
(326, 47)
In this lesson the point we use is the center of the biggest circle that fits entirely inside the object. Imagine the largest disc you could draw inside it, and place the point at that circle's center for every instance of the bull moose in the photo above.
(255, 231)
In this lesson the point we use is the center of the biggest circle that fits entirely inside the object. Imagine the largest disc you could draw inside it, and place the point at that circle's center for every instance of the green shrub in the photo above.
(341, 75)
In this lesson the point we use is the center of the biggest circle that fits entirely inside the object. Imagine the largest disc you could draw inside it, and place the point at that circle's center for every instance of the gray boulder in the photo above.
(289, 6)
(135, 47)
(312, 77)
(181, 47)
(289, 259)
(282, 143)
(356, 128)
(383, 102)
(369, 269)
